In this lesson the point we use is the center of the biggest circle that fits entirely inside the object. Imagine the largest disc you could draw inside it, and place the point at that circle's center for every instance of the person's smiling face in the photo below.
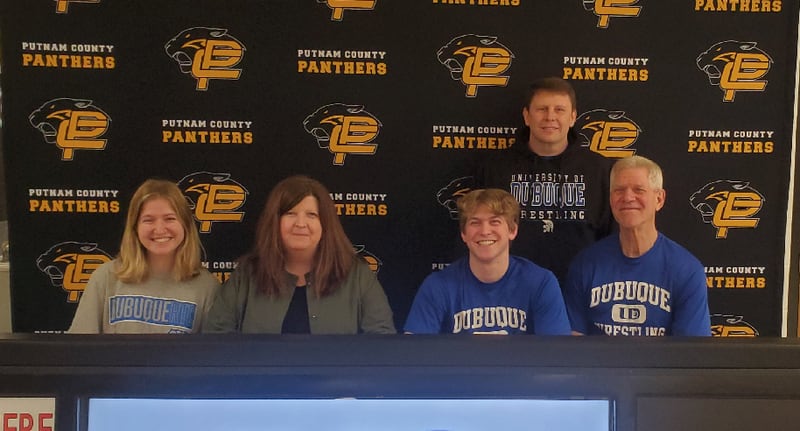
(634, 201)
(301, 229)
(487, 235)
(159, 230)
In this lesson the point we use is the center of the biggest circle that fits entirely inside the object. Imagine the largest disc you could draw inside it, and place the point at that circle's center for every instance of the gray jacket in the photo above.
(359, 305)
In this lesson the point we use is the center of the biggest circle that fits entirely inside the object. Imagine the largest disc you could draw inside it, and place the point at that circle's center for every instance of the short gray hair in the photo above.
(654, 173)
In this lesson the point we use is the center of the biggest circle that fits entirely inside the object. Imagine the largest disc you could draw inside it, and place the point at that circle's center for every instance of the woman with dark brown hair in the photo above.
(302, 275)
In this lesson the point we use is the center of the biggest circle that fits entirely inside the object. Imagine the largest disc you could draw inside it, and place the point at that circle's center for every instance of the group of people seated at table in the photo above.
(610, 272)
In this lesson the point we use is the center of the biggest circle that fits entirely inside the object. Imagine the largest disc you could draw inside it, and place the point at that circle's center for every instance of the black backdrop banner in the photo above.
(228, 97)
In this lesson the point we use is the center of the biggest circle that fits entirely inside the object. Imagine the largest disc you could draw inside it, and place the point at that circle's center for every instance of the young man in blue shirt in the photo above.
(489, 291)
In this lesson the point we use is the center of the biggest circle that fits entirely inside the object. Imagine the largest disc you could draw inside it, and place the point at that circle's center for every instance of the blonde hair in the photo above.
(132, 260)
(654, 174)
(499, 202)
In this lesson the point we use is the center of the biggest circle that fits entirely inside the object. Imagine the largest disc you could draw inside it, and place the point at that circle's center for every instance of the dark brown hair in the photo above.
(553, 85)
(334, 257)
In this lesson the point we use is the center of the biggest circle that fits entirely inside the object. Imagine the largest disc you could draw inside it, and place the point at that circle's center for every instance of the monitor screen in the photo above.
(349, 414)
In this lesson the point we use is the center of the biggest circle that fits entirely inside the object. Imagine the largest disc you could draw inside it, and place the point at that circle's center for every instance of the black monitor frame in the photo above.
(627, 371)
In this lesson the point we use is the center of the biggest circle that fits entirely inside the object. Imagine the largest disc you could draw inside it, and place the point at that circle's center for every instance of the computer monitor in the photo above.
(349, 414)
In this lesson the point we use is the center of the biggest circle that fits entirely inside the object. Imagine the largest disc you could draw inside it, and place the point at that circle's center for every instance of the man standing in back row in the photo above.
(562, 188)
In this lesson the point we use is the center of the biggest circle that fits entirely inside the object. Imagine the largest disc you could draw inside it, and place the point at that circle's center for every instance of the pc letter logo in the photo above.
(344, 129)
(607, 9)
(206, 53)
(338, 6)
(214, 197)
(71, 124)
(609, 133)
(727, 205)
(735, 66)
(476, 61)
(70, 264)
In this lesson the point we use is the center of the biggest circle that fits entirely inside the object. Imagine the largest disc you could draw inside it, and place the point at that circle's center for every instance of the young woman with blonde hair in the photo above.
(156, 284)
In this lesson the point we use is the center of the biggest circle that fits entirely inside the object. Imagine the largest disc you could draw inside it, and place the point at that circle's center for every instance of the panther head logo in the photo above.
(213, 197)
(730, 325)
(609, 133)
(728, 204)
(70, 264)
(183, 47)
(476, 61)
(71, 124)
(735, 66)
(457, 51)
(449, 194)
(322, 122)
(714, 60)
(206, 53)
(197, 184)
(343, 129)
(706, 200)
(48, 117)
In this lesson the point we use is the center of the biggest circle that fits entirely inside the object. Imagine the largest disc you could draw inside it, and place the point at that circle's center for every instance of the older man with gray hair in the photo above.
(637, 282)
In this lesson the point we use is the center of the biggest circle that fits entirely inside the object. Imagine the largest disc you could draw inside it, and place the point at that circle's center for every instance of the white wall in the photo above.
(5, 300)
